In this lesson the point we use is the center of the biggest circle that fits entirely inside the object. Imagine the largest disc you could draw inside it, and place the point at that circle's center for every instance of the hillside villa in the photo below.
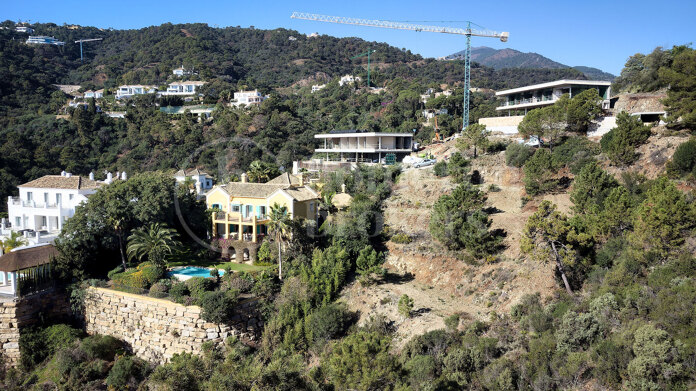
(98, 94)
(247, 98)
(183, 88)
(44, 40)
(201, 181)
(46, 203)
(362, 146)
(241, 209)
(348, 79)
(126, 91)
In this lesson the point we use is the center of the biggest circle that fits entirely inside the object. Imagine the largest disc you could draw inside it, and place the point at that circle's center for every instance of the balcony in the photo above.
(527, 102)
(16, 201)
(235, 217)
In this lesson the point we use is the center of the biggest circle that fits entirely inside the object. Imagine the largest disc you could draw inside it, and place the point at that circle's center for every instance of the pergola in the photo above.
(26, 270)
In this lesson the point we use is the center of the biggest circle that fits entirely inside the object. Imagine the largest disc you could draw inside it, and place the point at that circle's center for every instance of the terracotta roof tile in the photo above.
(75, 182)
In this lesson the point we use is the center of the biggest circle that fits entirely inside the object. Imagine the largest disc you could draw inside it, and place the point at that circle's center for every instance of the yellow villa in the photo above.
(241, 208)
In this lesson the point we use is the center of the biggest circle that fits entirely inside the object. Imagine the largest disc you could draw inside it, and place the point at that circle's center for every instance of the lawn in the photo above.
(189, 258)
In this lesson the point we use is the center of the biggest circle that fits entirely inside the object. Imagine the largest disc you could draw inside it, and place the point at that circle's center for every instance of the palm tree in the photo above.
(154, 241)
(13, 241)
(279, 225)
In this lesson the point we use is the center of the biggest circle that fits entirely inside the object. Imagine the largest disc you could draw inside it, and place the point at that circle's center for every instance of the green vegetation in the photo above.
(475, 135)
(516, 155)
(621, 142)
(684, 160)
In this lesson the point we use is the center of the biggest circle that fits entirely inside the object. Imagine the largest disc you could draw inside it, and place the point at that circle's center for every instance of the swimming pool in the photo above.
(184, 273)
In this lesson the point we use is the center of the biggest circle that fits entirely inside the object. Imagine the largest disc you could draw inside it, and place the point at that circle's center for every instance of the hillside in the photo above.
(511, 58)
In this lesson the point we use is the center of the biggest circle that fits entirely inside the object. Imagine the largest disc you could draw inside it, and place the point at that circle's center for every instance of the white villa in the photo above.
(126, 91)
(533, 96)
(46, 203)
(247, 98)
(202, 182)
(317, 87)
(24, 29)
(43, 40)
(183, 88)
(348, 79)
(182, 72)
(98, 94)
(355, 145)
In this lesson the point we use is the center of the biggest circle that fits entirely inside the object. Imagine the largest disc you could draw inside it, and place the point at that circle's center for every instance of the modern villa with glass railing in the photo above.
(522, 99)
(362, 146)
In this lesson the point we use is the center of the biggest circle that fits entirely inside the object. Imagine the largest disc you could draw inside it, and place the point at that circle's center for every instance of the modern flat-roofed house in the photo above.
(43, 40)
(183, 88)
(181, 71)
(126, 91)
(357, 145)
(317, 87)
(24, 29)
(46, 203)
(201, 181)
(241, 209)
(348, 79)
(247, 98)
(98, 94)
(546, 94)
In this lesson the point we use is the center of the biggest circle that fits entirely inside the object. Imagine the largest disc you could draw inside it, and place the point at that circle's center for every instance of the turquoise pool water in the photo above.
(192, 271)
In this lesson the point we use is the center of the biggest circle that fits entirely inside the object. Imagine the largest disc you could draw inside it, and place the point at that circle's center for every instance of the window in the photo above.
(249, 210)
(59, 198)
(29, 196)
(44, 221)
(262, 211)
(18, 221)
(45, 198)
(217, 206)
(70, 197)
(235, 208)
(311, 206)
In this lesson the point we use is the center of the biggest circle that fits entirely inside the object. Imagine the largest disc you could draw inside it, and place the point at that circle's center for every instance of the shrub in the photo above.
(621, 142)
(159, 289)
(656, 360)
(517, 154)
(328, 322)
(538, 172)
(218, 306)
(458, 167)
(127, 373)
(401, 238)
(104, 347)
(265, 254)
(574, 153)
(576, 331)
(440, 169)
(237, 281)
(178, 291)
(198, 285)
(118, 269)
(452, 322)
(59, 336)
(684, 159)
(139, 278)
(405, 306)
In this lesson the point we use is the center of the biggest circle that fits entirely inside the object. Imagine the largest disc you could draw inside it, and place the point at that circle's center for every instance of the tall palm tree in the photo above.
(154, 242)
(279, 226)
(13, 241)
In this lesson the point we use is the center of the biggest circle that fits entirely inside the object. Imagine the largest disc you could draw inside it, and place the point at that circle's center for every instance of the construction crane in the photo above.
(86, 40)
(468, 32)
(367, 53)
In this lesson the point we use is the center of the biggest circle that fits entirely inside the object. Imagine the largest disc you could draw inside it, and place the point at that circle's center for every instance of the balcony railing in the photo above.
(528, 100)
(235, 217)
(16, 201)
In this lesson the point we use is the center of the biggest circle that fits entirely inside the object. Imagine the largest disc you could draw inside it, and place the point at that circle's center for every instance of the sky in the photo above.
(601, 34)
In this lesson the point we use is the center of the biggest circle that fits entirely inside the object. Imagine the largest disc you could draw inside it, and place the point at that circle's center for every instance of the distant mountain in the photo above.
(511, 58)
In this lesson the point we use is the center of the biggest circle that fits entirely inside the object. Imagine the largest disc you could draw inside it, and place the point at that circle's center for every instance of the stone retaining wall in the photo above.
(156, 329)
(18, 313)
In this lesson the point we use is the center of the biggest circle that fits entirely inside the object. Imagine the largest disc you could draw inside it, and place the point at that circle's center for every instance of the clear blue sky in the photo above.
(600, 34)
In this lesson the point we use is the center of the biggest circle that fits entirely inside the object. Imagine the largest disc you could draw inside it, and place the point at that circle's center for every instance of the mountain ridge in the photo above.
(512, 58)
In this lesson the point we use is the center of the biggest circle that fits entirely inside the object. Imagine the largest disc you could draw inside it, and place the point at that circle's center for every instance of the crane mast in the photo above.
(468, 32)
(86, 40)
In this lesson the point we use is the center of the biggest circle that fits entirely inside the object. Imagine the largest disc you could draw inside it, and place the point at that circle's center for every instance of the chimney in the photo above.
(62, 173)
(68, 175)
(343, 188)
(109, 177)
(118, 175)
(243, 177)
(301, 180)
(123, 176)
(91, 176)
(295, 167)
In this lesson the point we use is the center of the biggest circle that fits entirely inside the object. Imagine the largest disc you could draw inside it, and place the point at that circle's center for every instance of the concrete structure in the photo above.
(317, 87)
(241, 209)
(126, 91)
(355, 145)
(26, 270)
(348, 79)
(183, 88)
(545, 94)
(98, 94)
(44, 40)
(45, 204)
(202, 111)
(201, 181)
(504, 125)
(431, 113)
(247, 98)
(183, 72)
(156, 329)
